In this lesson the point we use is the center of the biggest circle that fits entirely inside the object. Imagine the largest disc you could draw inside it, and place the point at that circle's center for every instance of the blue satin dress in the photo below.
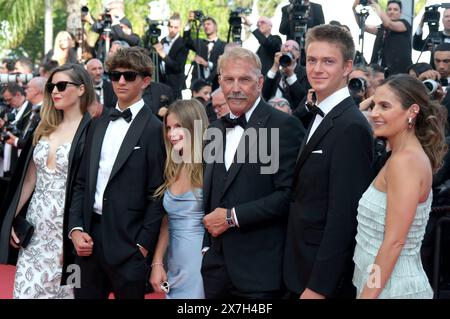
(184, 257)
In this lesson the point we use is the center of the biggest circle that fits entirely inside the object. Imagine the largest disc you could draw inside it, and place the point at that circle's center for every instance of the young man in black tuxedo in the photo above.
(173, 54)
(246, 197)
(207, 50)
(114, 220)
(332, 172)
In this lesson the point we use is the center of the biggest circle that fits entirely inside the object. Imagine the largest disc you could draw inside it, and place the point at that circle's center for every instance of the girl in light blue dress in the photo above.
(177, 260)
(393, 212)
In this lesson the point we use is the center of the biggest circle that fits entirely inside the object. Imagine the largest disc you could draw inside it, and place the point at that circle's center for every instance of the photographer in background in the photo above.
(112, 19)
(359, 83)
(17, 120)
(286, 78)
(207, 50)
(173, 55)
(314, 16)
(268, 44)
(392, 47)
(436, 38)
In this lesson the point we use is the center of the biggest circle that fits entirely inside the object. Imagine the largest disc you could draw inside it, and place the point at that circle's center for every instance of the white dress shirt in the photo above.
(166, 47)
(114, 135)
(233, 138)
(327, 105)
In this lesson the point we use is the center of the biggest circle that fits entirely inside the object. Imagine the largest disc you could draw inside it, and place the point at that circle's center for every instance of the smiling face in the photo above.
(388, 116)
(175, 133)
(326, 69)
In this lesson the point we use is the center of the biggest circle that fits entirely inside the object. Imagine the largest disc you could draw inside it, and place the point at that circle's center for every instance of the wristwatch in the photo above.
(229, 219)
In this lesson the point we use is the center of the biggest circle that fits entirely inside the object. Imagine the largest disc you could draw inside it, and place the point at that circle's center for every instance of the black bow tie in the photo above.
(115, 114)
(211, 41)
(228, 122)
(165, 40)
(315, 109)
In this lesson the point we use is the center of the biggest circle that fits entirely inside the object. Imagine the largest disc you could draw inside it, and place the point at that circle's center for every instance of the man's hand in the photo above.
(2, 123)
(215, 222)
(276, 62)
(201, 61)
(160, 49)
(191, 16)
(309, 294)
(12, 139)
(82, 242)
(430, 74)
(125, 29)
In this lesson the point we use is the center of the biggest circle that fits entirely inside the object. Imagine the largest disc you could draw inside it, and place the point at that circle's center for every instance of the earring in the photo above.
(410, 122)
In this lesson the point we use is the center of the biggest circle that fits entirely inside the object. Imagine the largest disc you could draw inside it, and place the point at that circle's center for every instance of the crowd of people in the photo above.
(292, 172)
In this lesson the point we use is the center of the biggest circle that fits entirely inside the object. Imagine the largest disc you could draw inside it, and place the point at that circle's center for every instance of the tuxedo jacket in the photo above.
(130, 214)
(7, 253)
(253, 252)
(294, 93)
(21, 124)
(315, 18)
(268, 46)
(332, 172)
(175, 61)
(155, 96)
(200, 47)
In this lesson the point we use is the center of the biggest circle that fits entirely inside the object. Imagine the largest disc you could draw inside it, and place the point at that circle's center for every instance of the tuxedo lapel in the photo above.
(209, 165)
(83, 124)
(321, 131)
(96, 149)
(257, 120)
(131, 139)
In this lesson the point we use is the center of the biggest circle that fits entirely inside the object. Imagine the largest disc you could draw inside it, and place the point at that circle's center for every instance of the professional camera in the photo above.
(152, 34)
(15, 78)
(198, 15)
(357, 85)
(106, 19)
(298, 13)
(286, 59)
(431, 86)
(235, 22)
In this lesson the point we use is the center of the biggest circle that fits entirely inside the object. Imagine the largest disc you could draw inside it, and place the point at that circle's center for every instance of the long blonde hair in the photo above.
(187, 113)
(60, 55)
(50, 116)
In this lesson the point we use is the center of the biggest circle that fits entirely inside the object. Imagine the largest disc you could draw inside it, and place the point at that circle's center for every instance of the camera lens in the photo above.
(431, 86)
(357, 85)
(363, 2)
(286, 59)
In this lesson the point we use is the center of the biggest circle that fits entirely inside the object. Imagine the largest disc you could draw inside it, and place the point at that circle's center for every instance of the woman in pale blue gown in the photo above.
(178, 257)
(393, 212)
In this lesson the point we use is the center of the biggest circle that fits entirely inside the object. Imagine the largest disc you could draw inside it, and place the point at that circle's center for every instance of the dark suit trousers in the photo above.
(99, 279)
(217, 283)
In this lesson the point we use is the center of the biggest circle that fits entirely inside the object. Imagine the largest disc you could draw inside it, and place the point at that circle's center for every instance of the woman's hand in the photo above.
(14, 240)
(157, 277)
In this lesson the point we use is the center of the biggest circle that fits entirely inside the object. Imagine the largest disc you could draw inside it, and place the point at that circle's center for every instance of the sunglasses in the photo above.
(61, 86)
(129, 76)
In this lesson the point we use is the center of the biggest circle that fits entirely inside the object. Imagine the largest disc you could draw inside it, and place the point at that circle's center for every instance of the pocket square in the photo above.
(136, 147)
(317, 152)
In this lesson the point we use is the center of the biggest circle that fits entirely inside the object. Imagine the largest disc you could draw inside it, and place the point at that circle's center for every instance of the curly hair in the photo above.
(430, 122)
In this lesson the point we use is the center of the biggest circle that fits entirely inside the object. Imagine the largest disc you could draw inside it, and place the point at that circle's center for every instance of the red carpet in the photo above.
(7, 283)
